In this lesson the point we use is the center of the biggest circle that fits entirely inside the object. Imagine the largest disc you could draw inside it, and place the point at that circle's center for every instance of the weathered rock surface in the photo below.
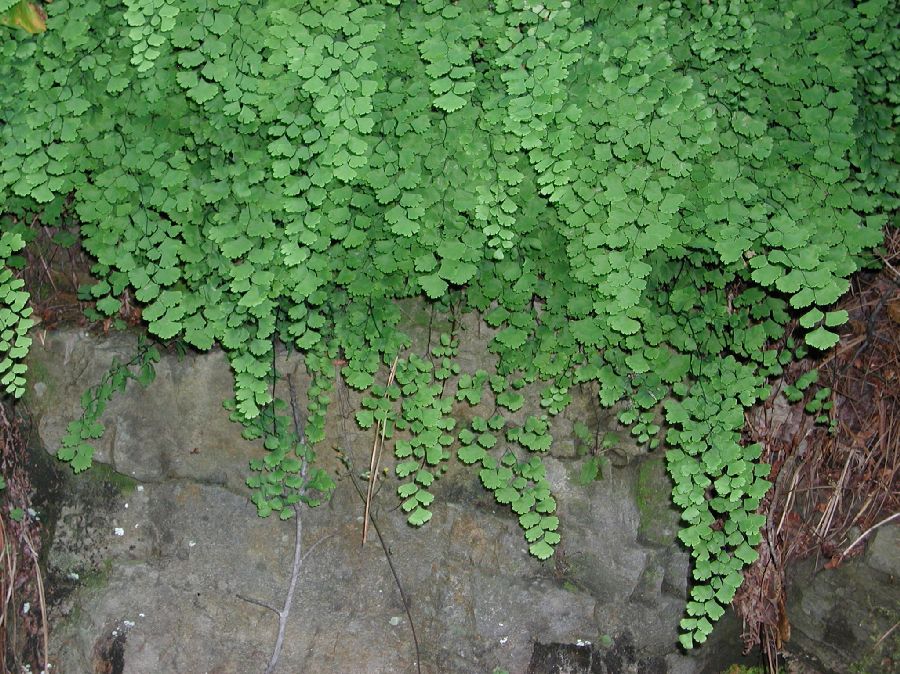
(846, 618)
(162, 573)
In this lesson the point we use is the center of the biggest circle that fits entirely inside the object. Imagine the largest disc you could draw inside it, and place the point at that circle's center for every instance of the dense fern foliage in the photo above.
(636, 194)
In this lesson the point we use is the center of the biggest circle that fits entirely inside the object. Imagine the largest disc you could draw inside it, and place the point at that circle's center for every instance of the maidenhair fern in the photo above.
(639, 195)
(75, 446)
(15, 321)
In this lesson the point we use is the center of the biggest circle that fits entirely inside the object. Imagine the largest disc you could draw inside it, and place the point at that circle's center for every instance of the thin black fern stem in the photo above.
(390, 561)
(387, 555)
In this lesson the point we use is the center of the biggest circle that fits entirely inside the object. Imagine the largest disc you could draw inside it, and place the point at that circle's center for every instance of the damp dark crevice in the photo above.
(620, 657)
(109, 652)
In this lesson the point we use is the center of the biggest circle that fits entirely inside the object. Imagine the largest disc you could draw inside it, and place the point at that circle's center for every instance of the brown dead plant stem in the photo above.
(8, 568)
(375, 460)
(21, 581)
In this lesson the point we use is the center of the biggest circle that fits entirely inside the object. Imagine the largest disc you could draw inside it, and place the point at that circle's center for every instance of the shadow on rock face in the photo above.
(109, 652)
(619, 658)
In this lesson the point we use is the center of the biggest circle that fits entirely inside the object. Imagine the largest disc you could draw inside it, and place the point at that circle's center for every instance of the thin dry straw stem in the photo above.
(8, 567)
(867, 532)
(885, 635)
(375, 460)
(834, 502)
(788, 500)
(41, 597)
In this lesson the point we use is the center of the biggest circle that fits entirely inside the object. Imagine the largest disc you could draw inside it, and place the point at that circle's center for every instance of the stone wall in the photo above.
(158, 558)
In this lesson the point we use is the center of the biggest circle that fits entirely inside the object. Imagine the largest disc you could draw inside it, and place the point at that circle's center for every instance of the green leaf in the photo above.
(347, 173)
(419, 516)
(489, 478)
(512, 338)
(109, 305)
(624, 325)
(406, 468)
(671, 203)
(449, 102)
(767, 275)
(365, 418)
(164, 328)
(541, 550)
(457, 273)
(433, 285)
(591, 469)
(676, 413)
(811, 318)
(820, 338)
(746, 554)
(674, 367)
(357, 378)
(511, 401)
(506, 495)
(470, 454)
(203, 91)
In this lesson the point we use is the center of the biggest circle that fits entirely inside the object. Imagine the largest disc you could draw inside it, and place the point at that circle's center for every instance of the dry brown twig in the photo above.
(375, 460)
(29, 544)
(19, 549)
(343, 397)
(7, 588)
(867, 532)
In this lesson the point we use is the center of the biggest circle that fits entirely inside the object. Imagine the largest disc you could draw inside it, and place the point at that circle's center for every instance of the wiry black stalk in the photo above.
(384, 547)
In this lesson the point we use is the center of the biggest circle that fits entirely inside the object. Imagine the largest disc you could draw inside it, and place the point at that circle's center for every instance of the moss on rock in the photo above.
(658, 518)
(102, 472)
